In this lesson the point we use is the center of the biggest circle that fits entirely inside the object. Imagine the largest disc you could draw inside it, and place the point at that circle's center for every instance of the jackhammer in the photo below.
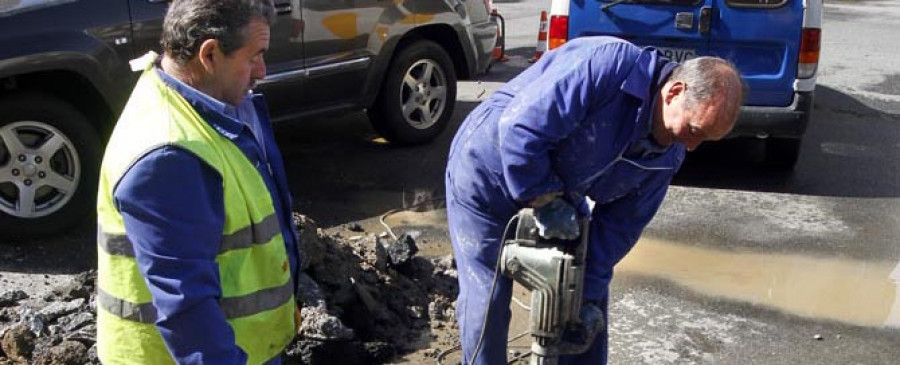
(553, 270)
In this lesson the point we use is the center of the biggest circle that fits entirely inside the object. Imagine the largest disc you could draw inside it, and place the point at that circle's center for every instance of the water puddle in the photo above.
(852, 291)
(434, 218)
(429, 228)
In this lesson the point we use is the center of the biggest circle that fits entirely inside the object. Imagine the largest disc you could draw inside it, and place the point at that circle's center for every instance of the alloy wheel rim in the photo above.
(423, 94)
(39, 169)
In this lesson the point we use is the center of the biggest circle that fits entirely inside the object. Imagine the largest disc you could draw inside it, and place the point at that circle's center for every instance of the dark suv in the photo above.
(64, 76)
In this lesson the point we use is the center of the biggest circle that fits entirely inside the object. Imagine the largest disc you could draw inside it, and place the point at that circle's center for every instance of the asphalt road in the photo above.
(743, 264)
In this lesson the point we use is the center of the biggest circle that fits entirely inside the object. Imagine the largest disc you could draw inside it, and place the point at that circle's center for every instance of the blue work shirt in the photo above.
(172, 205)
(578, 122)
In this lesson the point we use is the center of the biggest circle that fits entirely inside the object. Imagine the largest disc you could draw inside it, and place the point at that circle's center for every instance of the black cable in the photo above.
(493, 285)
(441, 355)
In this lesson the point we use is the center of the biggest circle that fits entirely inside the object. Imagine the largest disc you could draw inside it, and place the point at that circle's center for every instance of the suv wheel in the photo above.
(782, 152)
(49, 159)
(418, 95)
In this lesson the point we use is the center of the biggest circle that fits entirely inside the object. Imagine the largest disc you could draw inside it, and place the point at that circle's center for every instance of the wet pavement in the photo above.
(679, 303)
(856, 292)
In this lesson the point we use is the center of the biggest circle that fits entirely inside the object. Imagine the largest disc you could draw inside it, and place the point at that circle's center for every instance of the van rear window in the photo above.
(656, 2)
(734, 3)
(756, 3)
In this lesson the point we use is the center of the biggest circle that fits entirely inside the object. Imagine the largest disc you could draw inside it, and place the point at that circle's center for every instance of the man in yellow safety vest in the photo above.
(197, 251)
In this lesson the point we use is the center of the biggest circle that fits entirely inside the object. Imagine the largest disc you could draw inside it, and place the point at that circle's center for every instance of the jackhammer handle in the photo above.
(581, 249)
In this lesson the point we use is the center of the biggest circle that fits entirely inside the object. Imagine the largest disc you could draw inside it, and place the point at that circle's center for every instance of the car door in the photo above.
(146, 24)
(284, 59)
(284, 85)
(680, 28)
(762, 38)
(338, 54)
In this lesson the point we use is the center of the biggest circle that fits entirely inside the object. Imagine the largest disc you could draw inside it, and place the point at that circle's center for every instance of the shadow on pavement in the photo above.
(340, 172)
(69, 253)
(849, 150)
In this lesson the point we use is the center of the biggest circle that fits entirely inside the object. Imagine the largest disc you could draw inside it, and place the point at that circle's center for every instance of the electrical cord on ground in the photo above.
(444, 353)
(386, 226)
(516, 337)
(519, 357)
(441, 355)
(523, 305)
(457, 346)
(392, 211)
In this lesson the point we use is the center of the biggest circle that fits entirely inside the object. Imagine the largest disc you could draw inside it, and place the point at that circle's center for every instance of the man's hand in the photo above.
(557, 219)
(544, 199)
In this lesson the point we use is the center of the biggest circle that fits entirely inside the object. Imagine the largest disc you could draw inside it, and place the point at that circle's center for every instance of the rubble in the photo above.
(81, 286)
(18, 343)
(59, 309)
(12, 297)
(355, 227)
(59, 329)
(318, 324)
(387, 298)
(363, 301)
(65, 353)
(396, 252)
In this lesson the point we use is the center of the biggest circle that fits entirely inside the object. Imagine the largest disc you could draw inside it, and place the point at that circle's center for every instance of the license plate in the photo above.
(678, 54)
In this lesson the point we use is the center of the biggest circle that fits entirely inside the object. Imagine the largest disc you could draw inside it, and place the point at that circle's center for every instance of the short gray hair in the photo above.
(188, 23)
(707, 77)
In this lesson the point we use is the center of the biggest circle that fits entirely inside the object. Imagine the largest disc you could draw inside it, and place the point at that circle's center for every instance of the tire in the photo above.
(407, 113)
(782, 152)
(50, 150)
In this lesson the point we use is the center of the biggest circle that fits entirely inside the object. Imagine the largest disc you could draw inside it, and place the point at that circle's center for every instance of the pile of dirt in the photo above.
(369, 299)
(366, 299)
(58, 329)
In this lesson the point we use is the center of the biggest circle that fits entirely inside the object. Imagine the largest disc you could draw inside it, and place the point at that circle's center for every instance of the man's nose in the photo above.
(693, 143)
(259, 72)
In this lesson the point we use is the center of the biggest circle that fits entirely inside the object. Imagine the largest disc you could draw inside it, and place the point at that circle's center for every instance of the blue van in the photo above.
(774, 44)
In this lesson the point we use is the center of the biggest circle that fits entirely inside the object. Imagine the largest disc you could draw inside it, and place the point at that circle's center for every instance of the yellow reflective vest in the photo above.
(254, 270)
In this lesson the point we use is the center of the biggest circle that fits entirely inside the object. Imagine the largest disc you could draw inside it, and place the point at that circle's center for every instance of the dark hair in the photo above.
(190, 22)
(707, 77)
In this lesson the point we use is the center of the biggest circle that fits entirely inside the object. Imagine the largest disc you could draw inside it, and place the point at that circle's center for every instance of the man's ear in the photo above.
(675, 88)
(208, 54)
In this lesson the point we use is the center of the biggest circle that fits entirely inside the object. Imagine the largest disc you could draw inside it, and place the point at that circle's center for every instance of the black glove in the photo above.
(591, 316)
(557, 219)
(577, 339)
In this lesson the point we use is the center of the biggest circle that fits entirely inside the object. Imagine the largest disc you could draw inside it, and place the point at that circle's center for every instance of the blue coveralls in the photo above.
(578, 121)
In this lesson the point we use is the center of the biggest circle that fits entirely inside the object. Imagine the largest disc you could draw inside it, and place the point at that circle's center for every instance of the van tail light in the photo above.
(559, 31)
(810, 43)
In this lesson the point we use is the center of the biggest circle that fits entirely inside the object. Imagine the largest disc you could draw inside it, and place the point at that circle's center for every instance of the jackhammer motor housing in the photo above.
(553, 270)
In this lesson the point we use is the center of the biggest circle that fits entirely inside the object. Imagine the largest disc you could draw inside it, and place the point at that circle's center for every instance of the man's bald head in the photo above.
(699, 102)
(711, 81)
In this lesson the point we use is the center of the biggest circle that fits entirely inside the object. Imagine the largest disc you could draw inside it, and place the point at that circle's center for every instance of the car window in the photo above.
(8, 8)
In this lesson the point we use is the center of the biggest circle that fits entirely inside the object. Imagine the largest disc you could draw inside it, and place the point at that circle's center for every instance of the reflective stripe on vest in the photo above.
(234, 307)
(254, 234)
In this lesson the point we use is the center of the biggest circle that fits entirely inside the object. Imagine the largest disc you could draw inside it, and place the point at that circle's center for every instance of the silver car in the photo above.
(64, 76)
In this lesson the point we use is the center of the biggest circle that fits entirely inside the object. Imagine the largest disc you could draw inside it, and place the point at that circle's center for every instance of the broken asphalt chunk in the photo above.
(12, 297)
